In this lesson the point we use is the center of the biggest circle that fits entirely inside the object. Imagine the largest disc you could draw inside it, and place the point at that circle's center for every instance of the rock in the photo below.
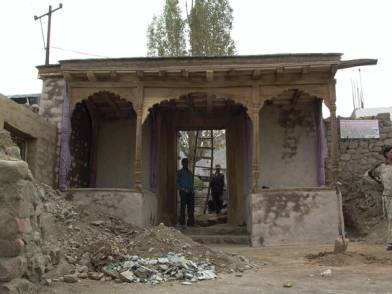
(47, 282)
(11, 268)
(13, 170)
(326, 273)
(82, 269)
(163, 260)
(11, 248)
(186, 283)
(95, 276)
(19, 286)
(83, 275)
(70, 279)
(288, 285)
(55, 256)
(142, 273)
(97, 223)
(127, 276)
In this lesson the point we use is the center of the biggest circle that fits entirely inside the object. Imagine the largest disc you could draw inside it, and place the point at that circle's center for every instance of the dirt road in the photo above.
(364, 269)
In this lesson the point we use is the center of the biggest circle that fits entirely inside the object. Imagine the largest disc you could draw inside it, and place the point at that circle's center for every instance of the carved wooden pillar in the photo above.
(334, 132)
(94, 116)
(139, 135)
(254, 116)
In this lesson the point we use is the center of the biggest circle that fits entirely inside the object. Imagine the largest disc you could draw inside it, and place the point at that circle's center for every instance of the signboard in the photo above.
(359, 129)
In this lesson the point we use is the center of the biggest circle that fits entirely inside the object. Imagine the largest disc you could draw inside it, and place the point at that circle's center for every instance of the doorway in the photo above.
(206, 151)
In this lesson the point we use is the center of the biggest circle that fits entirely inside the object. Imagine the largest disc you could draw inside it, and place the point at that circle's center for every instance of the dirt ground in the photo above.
(364, 269)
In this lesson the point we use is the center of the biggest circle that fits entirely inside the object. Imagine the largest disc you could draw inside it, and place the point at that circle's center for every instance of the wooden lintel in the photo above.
(185, 73)
(91, 76)
(279, 70)
(140, 74)
(162, 74)
(114, 75)
(230, 73)
(256, 74)
(210, 75)
(113, 106)
(67, 76)
(305, 70)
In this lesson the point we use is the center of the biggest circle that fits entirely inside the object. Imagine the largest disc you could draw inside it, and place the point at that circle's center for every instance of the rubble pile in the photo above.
(156, 270)
(160, 240)
(44, 238)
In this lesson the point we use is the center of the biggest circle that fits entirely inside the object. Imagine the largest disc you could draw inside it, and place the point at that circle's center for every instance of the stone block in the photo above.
(11, 248)
(19, 286)
(11, 268)
(13, 170)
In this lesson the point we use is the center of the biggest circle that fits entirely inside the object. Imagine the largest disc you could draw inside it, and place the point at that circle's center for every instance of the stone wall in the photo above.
(52, 97)
(40, 134)
(362, 197)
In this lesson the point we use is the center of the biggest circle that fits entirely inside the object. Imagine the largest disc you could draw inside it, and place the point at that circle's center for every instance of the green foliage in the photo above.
(166, 33)
(204, 32)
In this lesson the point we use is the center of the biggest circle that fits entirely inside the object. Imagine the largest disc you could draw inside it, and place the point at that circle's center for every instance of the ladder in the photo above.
(204, 143)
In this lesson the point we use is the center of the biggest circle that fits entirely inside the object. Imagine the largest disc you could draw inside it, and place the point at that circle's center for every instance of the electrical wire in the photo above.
(79, 52)
(42, 33)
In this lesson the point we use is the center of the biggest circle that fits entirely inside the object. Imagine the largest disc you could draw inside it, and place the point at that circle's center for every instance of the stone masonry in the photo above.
(362, 197)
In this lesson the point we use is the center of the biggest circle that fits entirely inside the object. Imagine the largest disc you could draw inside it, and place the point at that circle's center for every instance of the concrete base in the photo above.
(139, 209)
(294, 216)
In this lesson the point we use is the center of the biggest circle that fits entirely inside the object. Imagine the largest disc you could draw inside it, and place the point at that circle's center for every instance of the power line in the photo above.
(79, 52)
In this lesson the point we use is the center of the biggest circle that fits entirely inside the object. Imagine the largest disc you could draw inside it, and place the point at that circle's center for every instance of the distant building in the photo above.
(29, 99)
(368, 112)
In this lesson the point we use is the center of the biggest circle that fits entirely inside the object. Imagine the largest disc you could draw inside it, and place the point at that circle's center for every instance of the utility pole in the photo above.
(49, 14)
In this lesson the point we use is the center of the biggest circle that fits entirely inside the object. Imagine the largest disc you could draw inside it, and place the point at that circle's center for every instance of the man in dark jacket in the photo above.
(187, 196)
(217, 184)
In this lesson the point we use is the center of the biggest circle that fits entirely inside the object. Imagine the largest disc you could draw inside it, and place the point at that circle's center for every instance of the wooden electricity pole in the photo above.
(49, 14)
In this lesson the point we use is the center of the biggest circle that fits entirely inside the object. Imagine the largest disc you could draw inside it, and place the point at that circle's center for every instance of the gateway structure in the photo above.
(117, 122)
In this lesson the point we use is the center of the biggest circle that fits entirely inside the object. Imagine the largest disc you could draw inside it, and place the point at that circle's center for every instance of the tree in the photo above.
(206, 30)
(166, 33)
(210, 23)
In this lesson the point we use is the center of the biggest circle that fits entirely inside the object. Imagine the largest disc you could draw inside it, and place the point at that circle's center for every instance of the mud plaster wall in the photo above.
(41, 147)
(294, 217)
(80, 147)
(362, 205)
(116, 153)
(288, 145)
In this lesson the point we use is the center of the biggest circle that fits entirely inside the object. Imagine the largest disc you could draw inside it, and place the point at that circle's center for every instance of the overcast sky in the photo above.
(117, 28)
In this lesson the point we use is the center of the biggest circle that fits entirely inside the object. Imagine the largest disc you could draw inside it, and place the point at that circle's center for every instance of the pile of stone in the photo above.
(135, 269)
(23, 252)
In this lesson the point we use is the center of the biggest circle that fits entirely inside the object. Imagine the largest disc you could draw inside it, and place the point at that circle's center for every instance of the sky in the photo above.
(117, 28)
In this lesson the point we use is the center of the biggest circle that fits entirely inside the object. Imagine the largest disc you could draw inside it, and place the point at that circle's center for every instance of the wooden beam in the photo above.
(140, 74)
(67, 76)
(256, 74)
(185, 74)
(305, 70)
(91, 76)
(210, 75)
(162, 74)
(114, 75)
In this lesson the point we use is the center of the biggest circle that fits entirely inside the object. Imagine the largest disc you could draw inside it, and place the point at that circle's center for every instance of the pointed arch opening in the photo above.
(102, 142)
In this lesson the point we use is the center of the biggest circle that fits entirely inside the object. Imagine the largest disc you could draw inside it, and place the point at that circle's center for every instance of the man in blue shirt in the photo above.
(187, 196)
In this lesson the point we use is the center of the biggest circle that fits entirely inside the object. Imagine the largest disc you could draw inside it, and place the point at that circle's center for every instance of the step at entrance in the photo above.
(218, 234)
